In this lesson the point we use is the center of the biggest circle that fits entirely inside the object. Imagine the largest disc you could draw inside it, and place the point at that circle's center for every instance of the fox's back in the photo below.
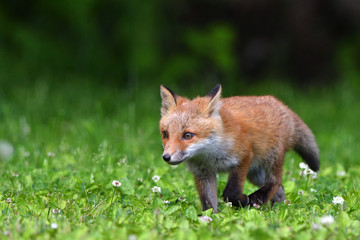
(254, 105)
(265, 120)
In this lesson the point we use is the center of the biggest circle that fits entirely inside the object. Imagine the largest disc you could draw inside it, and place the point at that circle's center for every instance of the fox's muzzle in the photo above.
(175, 158)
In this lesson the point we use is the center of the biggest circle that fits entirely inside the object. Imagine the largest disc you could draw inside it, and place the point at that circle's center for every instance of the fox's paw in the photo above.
(236, 199)
(257, 199)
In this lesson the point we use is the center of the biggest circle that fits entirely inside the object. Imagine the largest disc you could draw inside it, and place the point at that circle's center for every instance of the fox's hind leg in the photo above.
(279, 196)
(271, 188)
(257, 176)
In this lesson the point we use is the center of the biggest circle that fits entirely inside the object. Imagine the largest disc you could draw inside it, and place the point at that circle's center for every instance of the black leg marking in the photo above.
(236, 198)
(262, 195)
(233, 191)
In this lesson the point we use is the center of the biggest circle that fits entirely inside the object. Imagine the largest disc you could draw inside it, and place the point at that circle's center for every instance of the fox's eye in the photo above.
(165, 134)
(188, 135)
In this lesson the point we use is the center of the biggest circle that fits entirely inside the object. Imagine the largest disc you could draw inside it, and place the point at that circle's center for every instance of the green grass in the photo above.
(71, 141)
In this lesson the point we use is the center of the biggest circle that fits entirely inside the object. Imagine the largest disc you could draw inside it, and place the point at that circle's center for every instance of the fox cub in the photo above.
(245, 136)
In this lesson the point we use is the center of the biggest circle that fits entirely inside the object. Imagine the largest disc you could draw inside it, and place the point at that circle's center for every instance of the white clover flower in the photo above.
(139, 180)
(116, 183)
(338, 200)
(309, 172)
(255, 205)
(8, 200)
(182, 199)
(313, 190)
(300, 192)
(166, 201)
(327, 220)
(306, 171)
(229, 204)
(53, 225)
(303, 165)
(15, 174)
(287, 202)
(156, 189)
(56, 211)
(26, 154)
(340, 173)
(155, 178)
(205, 219)
(51, 154)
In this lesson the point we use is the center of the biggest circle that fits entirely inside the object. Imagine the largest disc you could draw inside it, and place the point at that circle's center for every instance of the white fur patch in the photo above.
(210, 155)
(177, 158)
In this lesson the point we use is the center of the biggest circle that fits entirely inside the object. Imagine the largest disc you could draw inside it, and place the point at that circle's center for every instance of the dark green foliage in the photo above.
(124, 42)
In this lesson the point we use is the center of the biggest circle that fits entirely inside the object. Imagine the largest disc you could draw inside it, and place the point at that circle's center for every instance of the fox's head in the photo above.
(187, 126)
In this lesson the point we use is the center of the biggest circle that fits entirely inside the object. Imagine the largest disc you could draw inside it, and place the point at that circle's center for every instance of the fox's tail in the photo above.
(305, 144)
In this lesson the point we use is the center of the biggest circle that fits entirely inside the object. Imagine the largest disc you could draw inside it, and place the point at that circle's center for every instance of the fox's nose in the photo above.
(166, 157)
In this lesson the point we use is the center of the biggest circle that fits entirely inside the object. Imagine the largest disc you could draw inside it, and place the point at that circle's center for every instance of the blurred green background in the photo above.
(135, 44)
(63, 62)
(92, 61)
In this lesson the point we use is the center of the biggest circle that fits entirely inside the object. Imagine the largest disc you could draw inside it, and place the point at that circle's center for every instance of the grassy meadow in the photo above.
(63, 145)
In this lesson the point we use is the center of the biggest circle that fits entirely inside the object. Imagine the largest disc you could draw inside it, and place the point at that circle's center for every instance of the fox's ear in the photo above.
(168, 99)
(215, 101)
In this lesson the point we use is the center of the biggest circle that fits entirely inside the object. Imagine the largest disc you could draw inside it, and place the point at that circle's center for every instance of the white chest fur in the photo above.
(211, 155)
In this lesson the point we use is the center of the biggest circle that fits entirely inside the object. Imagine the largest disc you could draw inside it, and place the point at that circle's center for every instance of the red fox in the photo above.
(245, 136)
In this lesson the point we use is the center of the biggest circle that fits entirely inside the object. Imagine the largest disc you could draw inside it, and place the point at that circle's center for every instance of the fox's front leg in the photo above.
(207, 188)
(234, 187)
